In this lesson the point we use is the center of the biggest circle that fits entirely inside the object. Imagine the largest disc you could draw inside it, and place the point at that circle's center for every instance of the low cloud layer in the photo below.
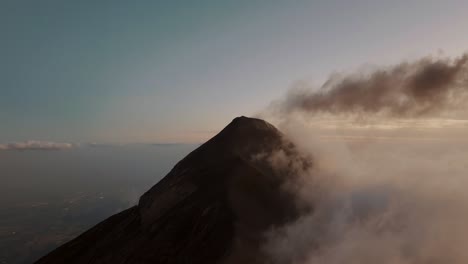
(36, 145)
(386, 201)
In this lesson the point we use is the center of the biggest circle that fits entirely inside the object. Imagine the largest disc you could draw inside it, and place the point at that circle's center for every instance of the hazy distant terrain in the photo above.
(49, 197)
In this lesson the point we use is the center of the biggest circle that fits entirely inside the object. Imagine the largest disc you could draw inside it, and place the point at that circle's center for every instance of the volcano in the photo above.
(214, 206)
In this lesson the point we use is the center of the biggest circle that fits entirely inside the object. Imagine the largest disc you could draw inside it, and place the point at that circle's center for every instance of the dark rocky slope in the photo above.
(213, 207)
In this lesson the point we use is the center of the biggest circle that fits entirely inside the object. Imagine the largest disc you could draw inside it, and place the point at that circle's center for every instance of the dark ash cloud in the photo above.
(419, 88)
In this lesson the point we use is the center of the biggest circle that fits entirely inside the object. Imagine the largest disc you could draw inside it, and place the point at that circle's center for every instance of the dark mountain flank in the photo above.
(214, 206)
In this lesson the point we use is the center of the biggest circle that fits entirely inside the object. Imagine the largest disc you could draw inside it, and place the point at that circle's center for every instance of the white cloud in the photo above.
(36, 145)
(376, 199)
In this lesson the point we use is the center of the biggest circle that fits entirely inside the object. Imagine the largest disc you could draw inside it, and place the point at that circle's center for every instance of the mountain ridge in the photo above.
(214, 206)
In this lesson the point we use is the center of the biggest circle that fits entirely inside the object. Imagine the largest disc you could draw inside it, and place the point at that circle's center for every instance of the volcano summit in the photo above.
(214, 206)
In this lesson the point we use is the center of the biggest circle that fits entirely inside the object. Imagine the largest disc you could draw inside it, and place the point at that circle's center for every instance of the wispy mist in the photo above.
(36, 145)
(372, 198)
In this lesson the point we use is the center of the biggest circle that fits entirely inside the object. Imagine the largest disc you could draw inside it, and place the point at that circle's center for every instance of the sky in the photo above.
(179, 71)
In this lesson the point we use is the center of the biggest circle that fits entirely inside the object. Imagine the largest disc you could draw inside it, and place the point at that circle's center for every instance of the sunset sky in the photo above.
(178, 71)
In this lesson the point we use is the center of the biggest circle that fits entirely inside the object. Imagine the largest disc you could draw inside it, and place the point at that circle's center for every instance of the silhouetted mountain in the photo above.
(213, 207)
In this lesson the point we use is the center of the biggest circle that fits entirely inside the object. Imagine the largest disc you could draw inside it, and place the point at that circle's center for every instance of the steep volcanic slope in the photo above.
(213, 207)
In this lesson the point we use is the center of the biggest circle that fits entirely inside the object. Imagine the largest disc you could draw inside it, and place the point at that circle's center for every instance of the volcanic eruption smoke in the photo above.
(413, 89)
(374, 199)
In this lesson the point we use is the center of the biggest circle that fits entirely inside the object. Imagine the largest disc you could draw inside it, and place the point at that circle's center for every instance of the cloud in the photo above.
(36, 145)
(410, 89)
(102, 145)
(386, 201)
(389, 189)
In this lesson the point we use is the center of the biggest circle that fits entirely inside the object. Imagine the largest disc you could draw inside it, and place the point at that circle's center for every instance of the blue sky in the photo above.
(177, 71)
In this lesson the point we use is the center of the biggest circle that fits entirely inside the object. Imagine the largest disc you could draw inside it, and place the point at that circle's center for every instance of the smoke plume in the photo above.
(419, 88)
(379, 194)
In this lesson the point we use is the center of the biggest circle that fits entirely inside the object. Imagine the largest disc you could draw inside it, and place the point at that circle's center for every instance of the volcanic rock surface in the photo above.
(214, 206)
